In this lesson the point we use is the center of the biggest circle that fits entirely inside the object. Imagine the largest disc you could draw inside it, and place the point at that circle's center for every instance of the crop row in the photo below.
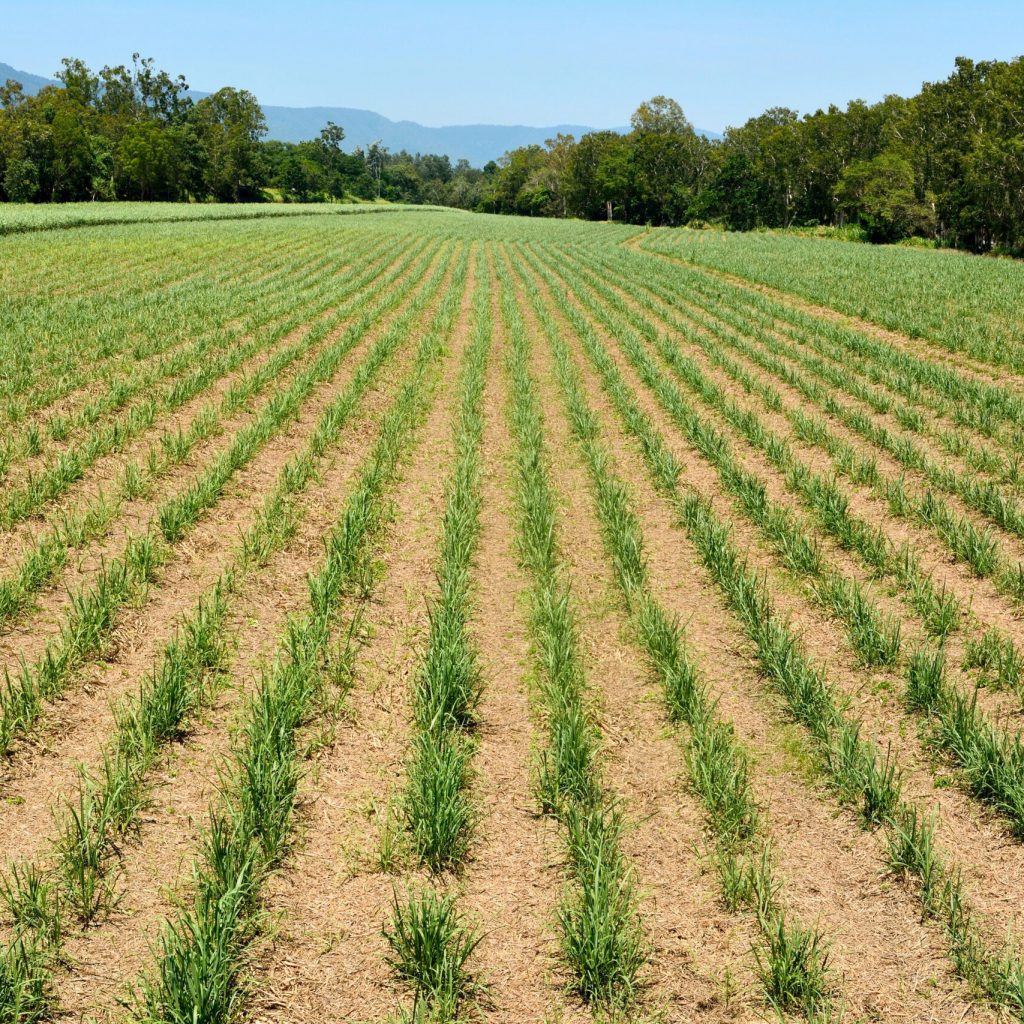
(201, 952)
(855, 767)
(82, 401)
(93, 610)
(429, 942)
(106, 807)
(97, 339)
(955, 300)
(44, 559)
(275, 311)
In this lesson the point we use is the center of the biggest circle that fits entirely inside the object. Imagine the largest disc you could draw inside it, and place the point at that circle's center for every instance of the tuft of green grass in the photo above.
(601, 934)
(431, 944)
(438, 808)
(794, 970)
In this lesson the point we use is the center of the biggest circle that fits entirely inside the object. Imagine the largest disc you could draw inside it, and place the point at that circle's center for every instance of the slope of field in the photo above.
(438, 617)
(16, 218)
(957, 300)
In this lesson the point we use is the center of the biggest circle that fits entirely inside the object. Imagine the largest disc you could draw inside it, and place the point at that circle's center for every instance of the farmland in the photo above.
(432, 616)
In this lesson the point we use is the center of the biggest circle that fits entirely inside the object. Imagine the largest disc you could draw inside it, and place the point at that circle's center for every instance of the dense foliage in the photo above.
(128, 133)
(135, 133)
(946, 164)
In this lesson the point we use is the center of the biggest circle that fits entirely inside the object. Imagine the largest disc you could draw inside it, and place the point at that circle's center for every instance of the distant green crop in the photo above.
(16, 218)
(966, 303)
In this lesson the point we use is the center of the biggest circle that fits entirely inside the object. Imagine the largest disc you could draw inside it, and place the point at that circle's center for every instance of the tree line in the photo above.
(134, 132)
(946, 164)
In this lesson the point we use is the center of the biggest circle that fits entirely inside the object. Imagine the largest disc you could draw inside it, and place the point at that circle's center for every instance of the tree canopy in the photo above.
(134, 132)
(947, 163)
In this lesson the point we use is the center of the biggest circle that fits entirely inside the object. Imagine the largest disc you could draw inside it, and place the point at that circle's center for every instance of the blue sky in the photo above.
(527, 62)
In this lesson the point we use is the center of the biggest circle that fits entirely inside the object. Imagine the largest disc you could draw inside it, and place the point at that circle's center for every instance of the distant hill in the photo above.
(29, 82)
(476, 143)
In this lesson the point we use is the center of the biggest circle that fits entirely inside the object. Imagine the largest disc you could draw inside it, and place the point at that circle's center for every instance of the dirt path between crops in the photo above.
(73, 731)
(326, 959)
(698, 951)
(886, 961)
(512, 881)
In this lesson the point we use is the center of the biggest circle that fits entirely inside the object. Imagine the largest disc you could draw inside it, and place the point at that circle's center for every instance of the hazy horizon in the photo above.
(529, 64)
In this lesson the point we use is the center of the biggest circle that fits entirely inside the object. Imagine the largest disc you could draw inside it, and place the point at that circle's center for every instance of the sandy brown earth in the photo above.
(325, 960)
(320, 952)
(990, 857)
(514, 878)
(864, 922)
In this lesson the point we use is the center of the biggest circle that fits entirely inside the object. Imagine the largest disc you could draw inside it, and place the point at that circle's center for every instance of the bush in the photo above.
(21, 182)
(881, 194)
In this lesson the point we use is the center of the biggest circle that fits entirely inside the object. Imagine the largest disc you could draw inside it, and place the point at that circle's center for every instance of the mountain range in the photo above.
(476, 143)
